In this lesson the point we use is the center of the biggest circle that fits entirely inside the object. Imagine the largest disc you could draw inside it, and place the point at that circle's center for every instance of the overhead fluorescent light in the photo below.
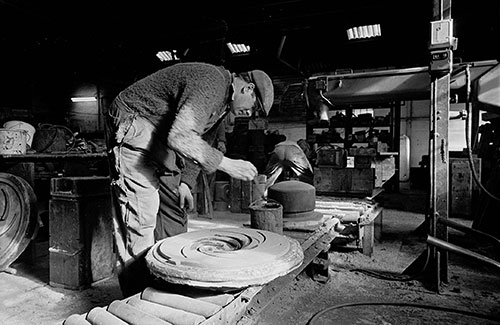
(83, 99)
(238, 48)
(367, 31)
(165, 56)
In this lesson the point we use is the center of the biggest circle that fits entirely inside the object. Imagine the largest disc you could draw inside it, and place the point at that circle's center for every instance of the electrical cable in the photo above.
(467, 139)
(326, 100)
(394, 277)
(54, 127)
(315, 317)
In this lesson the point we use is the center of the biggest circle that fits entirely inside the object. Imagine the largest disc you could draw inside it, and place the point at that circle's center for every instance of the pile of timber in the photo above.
(346, 209)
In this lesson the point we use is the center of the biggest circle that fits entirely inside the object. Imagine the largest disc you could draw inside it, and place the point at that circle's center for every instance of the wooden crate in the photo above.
(358, 181)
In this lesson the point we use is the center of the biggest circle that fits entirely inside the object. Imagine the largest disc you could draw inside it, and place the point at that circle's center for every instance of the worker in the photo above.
(288, 161)
(172, 219)
(155, 128)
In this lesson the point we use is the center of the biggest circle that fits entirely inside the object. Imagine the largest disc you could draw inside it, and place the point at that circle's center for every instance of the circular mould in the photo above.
(224, 258)
(18, 217)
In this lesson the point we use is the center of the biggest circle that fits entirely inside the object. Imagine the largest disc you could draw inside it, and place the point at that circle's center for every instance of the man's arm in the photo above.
(185, 138)
(191, 170)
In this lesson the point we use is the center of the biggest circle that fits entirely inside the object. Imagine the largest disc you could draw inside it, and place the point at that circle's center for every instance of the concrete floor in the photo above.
(26, 297)
(472, 287)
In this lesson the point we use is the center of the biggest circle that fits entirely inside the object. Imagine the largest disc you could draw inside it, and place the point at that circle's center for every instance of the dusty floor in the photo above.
(472, 287)
(26, 298)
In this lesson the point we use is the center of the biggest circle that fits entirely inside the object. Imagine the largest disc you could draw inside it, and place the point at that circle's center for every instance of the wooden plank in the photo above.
(316, 243)
(327, 227)
(235, 309)
(271, 290)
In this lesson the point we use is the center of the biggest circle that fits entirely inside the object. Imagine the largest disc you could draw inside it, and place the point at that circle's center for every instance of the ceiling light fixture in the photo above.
(238, 48)
(83, 99)
(367, 31)
(167, 55)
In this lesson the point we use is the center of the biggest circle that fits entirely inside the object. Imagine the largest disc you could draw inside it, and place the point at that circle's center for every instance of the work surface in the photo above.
(27, 299)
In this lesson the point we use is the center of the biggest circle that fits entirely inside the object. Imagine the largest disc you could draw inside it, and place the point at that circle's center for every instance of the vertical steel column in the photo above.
(396, 135)
(439, 158)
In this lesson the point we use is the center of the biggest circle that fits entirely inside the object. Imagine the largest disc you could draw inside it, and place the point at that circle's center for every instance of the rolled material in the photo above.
(76, 320)
(195, 306)
(132, 315)
(221, 300)
(166, 313)
(100, 316)
(266, 215)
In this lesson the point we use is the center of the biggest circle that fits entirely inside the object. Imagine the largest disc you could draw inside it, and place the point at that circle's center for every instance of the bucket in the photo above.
(12, 142)
(266, 215)
(20, 125)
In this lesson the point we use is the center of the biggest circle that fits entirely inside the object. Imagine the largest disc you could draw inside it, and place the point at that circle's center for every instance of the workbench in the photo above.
(54, 156)
(229, 308)
(24, 165)
(364, 214)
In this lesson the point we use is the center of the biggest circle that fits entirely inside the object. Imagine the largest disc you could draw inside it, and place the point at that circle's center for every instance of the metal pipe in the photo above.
(397, 72)
(468, 230)
(441, 244)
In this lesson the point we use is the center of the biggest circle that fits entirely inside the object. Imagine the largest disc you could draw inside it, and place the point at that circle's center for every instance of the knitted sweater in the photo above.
(183, 101)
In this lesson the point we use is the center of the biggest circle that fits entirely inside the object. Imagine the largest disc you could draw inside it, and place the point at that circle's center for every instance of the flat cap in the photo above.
(264, 89)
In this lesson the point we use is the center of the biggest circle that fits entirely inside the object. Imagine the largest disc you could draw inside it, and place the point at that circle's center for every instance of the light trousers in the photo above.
(136, 174)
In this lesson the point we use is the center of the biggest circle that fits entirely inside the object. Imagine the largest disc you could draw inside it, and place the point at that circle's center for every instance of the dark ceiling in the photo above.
(119, 39)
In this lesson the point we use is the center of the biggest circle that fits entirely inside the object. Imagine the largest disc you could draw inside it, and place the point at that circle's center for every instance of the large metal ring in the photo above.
(18, 217)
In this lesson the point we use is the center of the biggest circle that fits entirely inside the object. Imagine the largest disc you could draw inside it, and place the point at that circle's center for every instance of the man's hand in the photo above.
(239, 169)
(185, 196)
(221, 146)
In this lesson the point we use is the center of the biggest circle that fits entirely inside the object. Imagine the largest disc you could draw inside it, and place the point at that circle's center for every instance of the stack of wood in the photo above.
(343, 208)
